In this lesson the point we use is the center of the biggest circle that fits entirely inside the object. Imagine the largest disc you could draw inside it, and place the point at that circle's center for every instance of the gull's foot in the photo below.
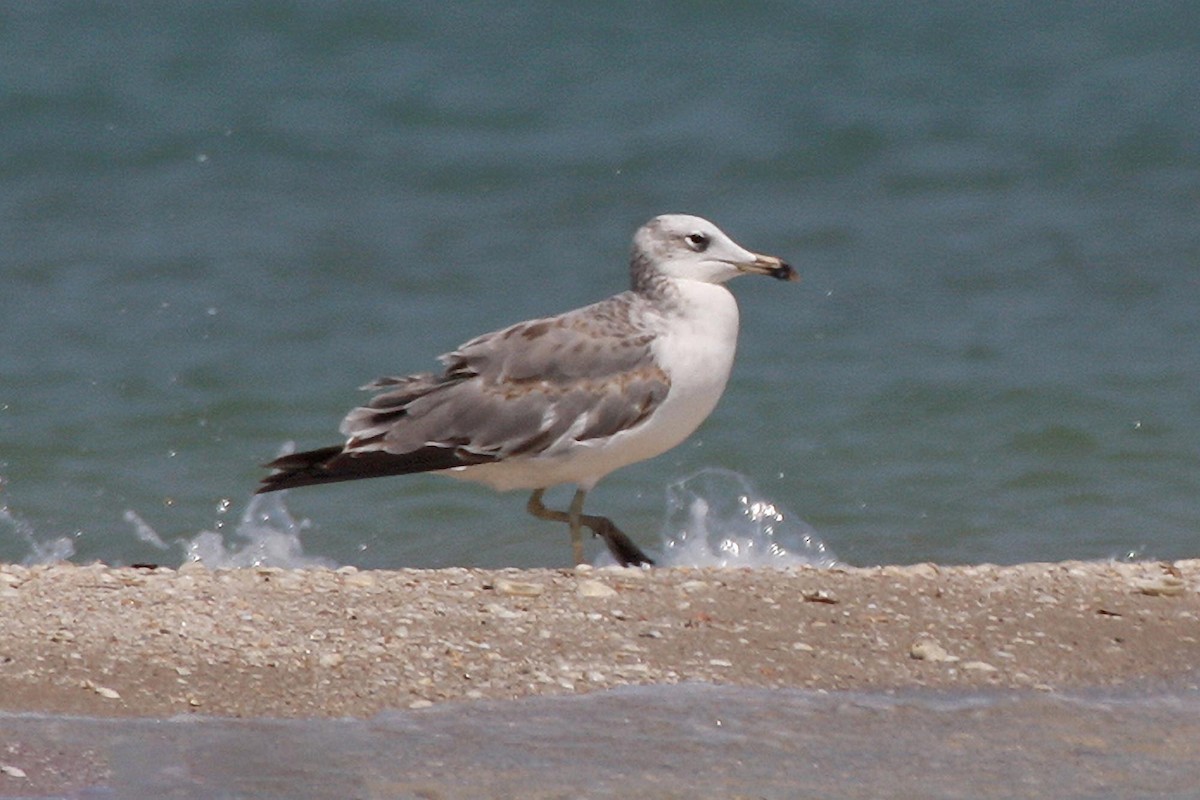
(621, 546)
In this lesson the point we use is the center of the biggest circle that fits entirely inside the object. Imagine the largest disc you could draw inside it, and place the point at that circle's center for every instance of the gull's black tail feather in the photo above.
(335, 464)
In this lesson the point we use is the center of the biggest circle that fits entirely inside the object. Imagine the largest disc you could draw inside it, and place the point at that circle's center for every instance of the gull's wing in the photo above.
(535, 387)
(522, 390)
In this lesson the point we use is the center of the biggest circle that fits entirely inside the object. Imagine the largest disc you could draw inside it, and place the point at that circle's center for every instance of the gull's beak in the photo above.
(769, 265)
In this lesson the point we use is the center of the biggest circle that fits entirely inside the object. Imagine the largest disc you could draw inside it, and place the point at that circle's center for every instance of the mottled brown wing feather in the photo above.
(520, 391)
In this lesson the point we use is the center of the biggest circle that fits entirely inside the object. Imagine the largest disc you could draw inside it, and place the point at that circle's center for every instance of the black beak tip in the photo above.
(784, 272)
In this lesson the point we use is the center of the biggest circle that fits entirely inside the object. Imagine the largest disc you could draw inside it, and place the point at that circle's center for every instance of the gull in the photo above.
(564, 399)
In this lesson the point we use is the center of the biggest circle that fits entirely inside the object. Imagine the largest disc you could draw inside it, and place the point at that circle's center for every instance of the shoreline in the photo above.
(129, 642)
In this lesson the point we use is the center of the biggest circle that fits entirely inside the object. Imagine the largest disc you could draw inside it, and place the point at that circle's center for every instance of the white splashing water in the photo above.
(714, 518)
(267, 535)
(717, 518)
(59, 548)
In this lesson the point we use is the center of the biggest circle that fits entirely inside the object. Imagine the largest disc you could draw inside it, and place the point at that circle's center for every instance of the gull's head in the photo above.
(692, 248)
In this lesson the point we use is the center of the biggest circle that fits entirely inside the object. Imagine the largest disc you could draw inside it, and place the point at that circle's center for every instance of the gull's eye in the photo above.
(697, 241)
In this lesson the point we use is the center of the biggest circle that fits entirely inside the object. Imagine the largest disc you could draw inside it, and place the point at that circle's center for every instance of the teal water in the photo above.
(219, 220)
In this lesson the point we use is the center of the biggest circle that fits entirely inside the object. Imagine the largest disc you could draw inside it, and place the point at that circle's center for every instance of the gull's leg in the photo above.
(574, 514)
(535, 507)
(571, 517)
(621, 546)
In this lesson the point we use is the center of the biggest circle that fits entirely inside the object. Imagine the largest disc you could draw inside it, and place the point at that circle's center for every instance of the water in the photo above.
(717, 518)
(654, 742)
(217, 222)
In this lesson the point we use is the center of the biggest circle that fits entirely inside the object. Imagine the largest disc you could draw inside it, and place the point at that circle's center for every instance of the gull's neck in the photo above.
(643, 278)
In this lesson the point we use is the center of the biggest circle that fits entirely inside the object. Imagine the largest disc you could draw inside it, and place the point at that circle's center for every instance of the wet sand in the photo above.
(100, 641)
(652, 742)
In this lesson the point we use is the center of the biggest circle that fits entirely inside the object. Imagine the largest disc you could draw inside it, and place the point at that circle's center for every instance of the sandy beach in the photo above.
(94, 640)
